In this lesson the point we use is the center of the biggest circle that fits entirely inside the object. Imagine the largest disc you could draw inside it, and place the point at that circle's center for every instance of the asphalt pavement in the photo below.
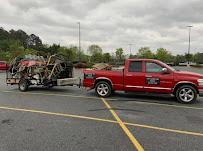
(74, 119)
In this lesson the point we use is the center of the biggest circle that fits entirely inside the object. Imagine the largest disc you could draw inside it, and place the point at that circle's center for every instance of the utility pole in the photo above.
(189, 28)
(79, 46)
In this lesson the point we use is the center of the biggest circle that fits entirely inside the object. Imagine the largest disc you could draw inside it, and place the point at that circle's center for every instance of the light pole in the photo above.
(79, 47)
(189, 28)
(130, 46)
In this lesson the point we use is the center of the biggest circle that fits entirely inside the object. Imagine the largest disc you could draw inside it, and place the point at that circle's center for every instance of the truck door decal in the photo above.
(152, 81)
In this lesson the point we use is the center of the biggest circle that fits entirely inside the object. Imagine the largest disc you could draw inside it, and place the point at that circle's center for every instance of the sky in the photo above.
(109, 23)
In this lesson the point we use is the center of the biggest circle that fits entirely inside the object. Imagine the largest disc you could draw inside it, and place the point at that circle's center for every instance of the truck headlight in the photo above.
(200, 82)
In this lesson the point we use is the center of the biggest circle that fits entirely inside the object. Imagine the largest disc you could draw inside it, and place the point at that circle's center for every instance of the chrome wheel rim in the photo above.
(186, 94)
(102, 89)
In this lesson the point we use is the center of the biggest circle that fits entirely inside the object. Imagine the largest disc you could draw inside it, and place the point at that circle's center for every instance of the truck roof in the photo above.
(142, 60)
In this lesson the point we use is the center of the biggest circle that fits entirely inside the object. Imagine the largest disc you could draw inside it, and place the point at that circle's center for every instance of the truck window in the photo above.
(152, 67)
(135, 66)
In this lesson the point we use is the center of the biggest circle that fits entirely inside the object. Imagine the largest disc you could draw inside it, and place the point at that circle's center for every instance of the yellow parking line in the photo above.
(50, 94)
(100, 119)
(125, 129)
(57, 114)
(164, 129)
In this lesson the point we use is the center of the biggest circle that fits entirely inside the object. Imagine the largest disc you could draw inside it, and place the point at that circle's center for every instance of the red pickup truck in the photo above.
(146, 75)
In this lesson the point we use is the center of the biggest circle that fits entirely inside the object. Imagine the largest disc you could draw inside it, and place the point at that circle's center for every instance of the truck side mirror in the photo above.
(165, 71)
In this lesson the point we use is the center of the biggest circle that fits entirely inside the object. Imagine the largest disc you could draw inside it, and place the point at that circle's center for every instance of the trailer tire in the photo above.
(23, 85)
(103, 89)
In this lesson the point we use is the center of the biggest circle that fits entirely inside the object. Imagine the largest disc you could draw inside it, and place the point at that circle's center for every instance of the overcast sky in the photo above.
(109, 23)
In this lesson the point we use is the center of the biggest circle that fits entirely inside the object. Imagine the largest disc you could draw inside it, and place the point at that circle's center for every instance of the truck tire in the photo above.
(23, 85)
(186, 94)
(103, 89)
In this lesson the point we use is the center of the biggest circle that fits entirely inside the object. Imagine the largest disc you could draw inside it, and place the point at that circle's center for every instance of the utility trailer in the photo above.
(35, 70)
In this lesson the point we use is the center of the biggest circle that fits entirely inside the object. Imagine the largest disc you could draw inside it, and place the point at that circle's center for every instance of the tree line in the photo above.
(18, 42)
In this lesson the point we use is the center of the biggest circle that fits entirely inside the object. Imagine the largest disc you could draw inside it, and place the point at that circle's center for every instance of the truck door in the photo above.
(134, 76)
(156, 80)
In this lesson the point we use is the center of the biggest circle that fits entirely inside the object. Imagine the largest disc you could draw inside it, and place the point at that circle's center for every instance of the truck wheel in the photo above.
(23, 85)
(103, 89)
(186, 94)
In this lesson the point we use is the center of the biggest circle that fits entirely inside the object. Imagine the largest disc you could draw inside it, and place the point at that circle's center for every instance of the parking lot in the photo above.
(72, 118)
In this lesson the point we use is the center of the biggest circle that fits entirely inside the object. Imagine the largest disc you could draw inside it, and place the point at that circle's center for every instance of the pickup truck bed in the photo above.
(115, 76)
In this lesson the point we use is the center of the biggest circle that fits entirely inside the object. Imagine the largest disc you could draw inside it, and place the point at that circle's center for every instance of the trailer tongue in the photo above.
(34, 70)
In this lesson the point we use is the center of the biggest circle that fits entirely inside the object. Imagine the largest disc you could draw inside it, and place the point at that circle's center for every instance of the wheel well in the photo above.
(106, 80)
(181, 84)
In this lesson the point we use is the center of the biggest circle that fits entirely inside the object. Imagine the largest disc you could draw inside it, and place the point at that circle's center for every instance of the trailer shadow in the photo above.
(50, 90)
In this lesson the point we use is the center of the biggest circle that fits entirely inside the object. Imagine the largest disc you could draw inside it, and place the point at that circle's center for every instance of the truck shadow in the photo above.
(147, 97)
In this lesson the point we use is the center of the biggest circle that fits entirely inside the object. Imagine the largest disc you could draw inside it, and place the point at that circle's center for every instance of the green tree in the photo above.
(178, 59)
(53, 49)
(132, 56)
(96, 53)
(198, 58)
(71, 53)
(19, 35)
(84, 58)
(119, 53)
(145, 52)
(4, 45)
(75, 52)
(96, 58)
(5, 56)
(106, 57)
(189, 57)
(66, 52)
(164, 55)
(4, 35)
(93, 49)
(32, 51)
(15, 45)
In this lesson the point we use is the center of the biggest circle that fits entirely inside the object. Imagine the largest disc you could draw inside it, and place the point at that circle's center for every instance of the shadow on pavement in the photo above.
(117, 109)
(147, 97)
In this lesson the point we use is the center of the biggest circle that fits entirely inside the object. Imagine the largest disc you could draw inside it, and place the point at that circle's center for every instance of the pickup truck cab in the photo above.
(146, 75)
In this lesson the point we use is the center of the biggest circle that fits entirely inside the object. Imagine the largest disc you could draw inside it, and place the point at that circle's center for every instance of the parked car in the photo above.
(4, 65)
(146, 75)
